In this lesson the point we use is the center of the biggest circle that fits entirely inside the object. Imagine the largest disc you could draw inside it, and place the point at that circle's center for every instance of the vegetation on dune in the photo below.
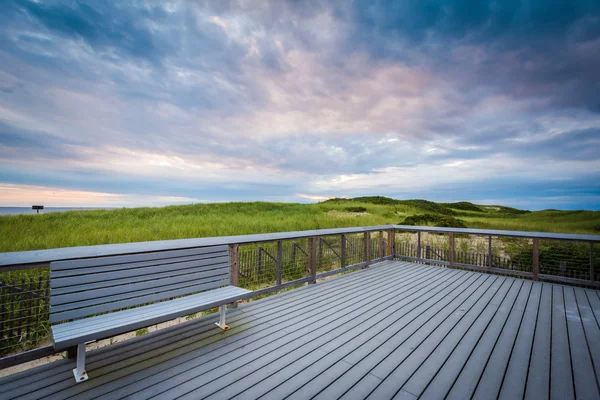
(356, 209)
(78, 228)
(443, 221)
(463, 205)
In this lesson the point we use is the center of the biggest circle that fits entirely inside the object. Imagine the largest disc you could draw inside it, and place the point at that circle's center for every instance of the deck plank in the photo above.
(583, 369)
(561, 376)
(590, 326)
(396, 329)
(538, 377)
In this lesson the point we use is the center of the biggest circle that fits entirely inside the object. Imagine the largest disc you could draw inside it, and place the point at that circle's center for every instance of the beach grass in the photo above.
(79, 228)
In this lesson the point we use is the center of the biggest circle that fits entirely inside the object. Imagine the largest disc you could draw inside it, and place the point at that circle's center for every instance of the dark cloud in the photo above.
(103, 25)
(547, 49)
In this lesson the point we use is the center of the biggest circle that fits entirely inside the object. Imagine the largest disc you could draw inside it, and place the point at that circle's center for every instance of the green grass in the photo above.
(78, 228)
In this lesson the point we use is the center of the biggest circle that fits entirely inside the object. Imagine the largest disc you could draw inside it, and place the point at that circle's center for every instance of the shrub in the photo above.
(463, 205)
(356, 209)
(442, 221)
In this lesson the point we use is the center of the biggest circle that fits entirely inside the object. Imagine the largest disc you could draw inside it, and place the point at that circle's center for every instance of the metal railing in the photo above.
(553, 257)
(267, 263)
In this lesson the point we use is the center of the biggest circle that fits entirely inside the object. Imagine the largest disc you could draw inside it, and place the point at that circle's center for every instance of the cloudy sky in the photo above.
(151, 103)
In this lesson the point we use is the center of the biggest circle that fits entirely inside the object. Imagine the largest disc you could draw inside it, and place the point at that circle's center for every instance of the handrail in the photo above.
(37, 258)
(491, 232)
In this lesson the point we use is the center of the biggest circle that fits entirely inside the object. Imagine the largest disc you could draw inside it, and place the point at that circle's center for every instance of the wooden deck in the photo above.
(396, 329)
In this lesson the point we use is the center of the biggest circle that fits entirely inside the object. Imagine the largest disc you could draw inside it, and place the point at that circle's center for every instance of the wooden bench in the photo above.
(92, 298)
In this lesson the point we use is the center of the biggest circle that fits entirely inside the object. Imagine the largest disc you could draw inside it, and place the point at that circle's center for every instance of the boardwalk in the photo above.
(396, 329)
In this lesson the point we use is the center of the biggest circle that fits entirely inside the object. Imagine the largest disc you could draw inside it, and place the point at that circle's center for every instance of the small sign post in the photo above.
(37, 208)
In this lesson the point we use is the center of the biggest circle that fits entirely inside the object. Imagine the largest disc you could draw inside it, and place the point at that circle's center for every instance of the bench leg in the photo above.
(79, 372)
(222, 314)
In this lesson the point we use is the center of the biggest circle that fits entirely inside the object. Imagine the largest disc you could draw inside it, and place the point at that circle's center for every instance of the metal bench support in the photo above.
(222, 314)
(79, 372)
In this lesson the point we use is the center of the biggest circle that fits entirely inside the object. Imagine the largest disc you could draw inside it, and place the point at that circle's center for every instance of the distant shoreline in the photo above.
(28, 210)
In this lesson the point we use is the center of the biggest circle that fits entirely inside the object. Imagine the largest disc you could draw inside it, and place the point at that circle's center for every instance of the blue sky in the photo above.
(152, 103)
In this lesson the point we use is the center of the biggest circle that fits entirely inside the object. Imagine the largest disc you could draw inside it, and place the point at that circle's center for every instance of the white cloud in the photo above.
(27, 195)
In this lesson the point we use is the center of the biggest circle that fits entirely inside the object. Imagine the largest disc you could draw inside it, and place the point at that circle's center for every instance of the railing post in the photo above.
(419, 244)
(343, 251)
(451, 248)
(490, 252)
(391, 245)
(312, 259)
(234, 268)
(367, 248)
(592, 269)
(279, 262)
(381, 249)
(536, 259)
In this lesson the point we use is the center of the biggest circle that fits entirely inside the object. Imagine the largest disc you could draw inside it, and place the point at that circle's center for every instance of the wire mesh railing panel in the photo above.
(515, 254)
(567, 259)
(24, 308)
(355, 249)
(294, 260)
(257, 265)
(329, 253)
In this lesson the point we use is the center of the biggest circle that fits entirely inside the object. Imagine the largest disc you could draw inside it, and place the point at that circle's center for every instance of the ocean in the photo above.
(28, 210)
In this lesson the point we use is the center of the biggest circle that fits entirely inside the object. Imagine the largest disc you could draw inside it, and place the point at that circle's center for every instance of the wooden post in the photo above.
(451, 249)
(536, 259)
(490, 257)
(234, 269)
(312, 259)
(279, 262)
(592, 269)
(391, 245)
(419, 244)
(343, 251)
(367, 248)
(381, 249)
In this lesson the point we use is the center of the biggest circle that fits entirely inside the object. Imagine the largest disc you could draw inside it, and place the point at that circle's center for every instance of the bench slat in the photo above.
(118, 267)
(211, 263)
(192, 287)
(157, 255)
(156, 284)
(135, 279)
